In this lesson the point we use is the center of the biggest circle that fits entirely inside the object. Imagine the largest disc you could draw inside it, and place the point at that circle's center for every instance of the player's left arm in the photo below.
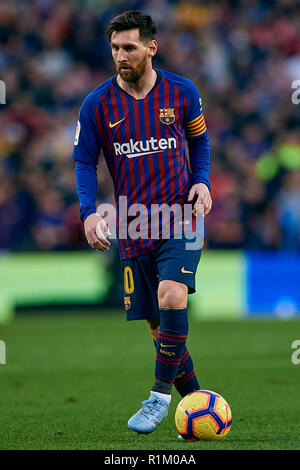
(199, 153)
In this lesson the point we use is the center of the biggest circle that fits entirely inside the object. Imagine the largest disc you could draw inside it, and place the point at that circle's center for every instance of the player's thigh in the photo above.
(140, 288)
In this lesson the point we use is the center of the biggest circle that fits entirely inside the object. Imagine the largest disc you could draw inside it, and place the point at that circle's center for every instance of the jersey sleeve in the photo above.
(86, 145)
(195, 124)
(197, 137)
(86, 182)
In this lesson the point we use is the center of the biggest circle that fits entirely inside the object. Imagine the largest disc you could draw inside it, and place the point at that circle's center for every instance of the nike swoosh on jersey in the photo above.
(186, 272)
(115, 123)
(168, 345)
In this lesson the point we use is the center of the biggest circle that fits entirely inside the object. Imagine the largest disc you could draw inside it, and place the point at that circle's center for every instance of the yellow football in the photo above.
(203, 415)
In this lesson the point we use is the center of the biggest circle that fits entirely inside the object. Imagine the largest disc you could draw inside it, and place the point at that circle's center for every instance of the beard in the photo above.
(132, 74)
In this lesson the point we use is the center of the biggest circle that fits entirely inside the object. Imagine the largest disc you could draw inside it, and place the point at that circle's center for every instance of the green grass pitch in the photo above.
(72, 382)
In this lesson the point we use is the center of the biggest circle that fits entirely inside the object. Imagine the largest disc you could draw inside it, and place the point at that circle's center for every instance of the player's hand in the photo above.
(96, 232)
(203, 202)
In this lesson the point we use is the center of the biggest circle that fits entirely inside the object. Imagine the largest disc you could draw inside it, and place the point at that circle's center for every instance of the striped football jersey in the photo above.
(143, 142)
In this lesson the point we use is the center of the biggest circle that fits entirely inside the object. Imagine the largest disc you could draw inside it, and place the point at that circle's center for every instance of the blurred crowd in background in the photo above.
(244, 56)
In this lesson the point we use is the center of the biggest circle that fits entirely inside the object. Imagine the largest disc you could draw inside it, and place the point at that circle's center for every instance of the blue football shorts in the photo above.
(174, 260)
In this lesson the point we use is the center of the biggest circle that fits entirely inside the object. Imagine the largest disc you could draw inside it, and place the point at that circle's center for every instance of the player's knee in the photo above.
(172, 295)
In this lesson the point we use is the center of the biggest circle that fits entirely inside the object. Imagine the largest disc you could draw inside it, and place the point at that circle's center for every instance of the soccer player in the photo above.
(141, 119)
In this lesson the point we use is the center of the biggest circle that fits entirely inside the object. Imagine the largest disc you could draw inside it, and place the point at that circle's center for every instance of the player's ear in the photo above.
(152, 47)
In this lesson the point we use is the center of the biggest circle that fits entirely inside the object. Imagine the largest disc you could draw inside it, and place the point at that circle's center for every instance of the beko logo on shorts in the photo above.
(133, 149)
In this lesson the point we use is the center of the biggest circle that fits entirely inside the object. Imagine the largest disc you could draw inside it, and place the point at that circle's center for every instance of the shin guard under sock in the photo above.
(171, 341)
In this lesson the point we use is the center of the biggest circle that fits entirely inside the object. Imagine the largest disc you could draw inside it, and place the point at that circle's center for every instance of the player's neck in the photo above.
(142, 87)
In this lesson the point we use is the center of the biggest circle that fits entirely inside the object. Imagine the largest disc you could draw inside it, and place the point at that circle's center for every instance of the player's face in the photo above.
(131, 55)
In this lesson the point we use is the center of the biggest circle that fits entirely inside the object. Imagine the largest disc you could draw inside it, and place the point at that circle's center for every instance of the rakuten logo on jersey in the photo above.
(133, 149)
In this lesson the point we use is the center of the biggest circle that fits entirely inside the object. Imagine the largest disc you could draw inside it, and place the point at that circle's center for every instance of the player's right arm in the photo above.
(85, 153)
(96, 231)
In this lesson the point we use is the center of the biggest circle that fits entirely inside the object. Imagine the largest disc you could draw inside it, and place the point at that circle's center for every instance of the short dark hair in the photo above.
(133, 19)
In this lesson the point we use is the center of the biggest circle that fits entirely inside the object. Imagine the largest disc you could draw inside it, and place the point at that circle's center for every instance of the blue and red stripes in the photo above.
(172, 337)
